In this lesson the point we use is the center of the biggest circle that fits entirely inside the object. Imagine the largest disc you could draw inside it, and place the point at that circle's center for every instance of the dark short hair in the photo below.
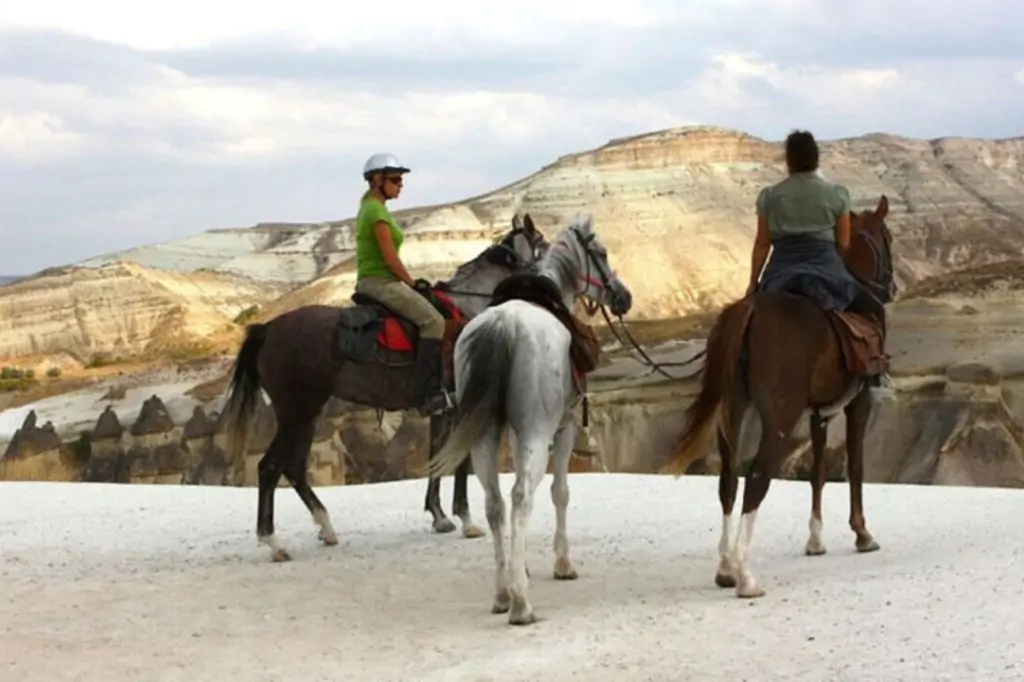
(801, 152)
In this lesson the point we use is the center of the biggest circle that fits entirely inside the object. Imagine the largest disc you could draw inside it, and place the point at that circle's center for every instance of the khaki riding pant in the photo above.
(405, 301)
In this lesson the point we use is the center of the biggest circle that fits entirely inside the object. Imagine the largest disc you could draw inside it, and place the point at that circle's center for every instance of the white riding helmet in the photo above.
(382, 162)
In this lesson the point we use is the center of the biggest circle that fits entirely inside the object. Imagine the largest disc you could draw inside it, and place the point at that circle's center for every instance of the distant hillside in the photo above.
(673, 207)
(7, 279)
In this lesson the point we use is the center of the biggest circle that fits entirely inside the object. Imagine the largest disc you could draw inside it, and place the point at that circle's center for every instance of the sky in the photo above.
(134, 123)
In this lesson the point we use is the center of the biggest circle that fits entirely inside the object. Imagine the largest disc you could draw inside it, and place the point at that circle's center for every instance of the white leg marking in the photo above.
(470, 529)
(746, 585)
(725, 568)
(815, 545)
(327, 534)
(278, 552)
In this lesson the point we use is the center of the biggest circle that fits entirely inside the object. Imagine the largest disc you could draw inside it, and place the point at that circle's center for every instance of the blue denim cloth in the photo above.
(811, 267)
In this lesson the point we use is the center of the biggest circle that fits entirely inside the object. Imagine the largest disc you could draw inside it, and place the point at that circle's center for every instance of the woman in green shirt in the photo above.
(804, 222)
(381, 274)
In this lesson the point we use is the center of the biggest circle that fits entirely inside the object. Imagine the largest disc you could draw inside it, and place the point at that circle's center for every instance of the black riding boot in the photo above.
(429, 391)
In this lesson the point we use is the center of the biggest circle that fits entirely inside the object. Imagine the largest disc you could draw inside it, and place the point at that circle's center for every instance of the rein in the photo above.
(591, 308)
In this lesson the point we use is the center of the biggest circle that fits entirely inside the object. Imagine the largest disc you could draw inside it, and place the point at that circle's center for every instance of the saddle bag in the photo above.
(356, 334)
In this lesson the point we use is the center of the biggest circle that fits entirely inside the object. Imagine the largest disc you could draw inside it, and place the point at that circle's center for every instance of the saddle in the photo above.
(584, 347)
(370, 331)
(860, 340)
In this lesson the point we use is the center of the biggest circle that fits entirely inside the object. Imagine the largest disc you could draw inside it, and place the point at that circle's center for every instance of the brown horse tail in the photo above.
(242, 391)
(725, 343)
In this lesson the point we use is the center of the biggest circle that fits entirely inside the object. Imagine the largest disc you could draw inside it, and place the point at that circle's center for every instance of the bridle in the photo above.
(603, 283)
(883, 285)
(515, 261)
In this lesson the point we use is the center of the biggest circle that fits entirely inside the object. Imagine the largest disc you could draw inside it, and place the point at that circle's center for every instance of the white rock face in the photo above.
(675, 208)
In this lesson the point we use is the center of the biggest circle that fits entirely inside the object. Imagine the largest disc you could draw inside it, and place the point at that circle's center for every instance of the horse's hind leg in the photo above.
(819, 433)
(297, 473)
(531, 464)
(485, 464)
(775, 438)
(270, 469)
(728, 483)
(857, 414)
(460, 501)
(439, 428)
(562, 451)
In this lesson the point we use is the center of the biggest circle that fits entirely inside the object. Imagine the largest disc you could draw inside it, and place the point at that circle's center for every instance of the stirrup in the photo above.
(882, 389)
(437, 404)
(584, 445)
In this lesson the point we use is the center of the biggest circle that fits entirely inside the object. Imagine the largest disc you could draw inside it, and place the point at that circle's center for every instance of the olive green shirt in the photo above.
(369, 258)
(804, 204)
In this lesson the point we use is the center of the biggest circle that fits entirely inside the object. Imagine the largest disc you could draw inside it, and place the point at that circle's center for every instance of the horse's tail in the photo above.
(725, 343)
(242, 391)
(481, 405)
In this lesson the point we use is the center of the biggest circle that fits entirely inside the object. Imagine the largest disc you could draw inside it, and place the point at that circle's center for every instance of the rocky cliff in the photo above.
(675, 208)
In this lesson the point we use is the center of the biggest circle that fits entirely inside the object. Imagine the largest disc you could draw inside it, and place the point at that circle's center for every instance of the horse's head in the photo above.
(600, 284)
(520, 248)
(870, 255)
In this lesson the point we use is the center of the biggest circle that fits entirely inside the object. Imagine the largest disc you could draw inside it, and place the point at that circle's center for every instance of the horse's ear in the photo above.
(882, 209)
(528, 225)
(517, 221)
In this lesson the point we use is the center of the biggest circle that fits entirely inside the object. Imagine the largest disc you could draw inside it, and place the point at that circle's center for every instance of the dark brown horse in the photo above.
(303, 357)
(785, 357)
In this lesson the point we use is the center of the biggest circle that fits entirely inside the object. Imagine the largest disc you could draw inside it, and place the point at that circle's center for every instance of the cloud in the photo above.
(122, 125)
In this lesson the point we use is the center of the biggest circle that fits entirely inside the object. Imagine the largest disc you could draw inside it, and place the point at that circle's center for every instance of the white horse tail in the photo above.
(483, 395)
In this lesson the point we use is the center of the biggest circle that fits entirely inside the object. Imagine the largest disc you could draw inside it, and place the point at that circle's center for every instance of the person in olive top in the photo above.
(804, 221)
(381, 274)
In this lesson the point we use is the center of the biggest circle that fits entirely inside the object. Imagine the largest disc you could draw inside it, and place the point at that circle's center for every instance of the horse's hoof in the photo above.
(444, 525)
(473, 531)
(869, 546)
(564, 570)
(749, 592)
(281, 555)
(814, 550)
(725, 580)
(501, 604)
(329, 539)
(527, 618)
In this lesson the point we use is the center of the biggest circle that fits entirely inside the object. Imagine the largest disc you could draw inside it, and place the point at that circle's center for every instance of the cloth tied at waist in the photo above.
(810, 267)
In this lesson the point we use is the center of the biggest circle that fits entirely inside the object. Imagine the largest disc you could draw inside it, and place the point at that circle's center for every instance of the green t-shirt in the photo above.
(803, 204)
(369, 259)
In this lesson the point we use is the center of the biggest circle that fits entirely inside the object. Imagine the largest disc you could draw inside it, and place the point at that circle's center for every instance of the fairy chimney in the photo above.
(155, 455)
(107, 458)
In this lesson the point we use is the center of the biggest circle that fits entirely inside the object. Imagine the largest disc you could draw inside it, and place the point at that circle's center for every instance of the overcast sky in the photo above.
(131, 123)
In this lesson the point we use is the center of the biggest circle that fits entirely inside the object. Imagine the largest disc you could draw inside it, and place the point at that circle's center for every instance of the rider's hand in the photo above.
(421, 285)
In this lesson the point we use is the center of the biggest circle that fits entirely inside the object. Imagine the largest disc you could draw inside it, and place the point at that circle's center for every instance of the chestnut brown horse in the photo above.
(304, 356)
(783, 355)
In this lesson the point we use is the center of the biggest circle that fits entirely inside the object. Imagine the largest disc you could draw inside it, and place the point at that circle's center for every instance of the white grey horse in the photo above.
(512, 367)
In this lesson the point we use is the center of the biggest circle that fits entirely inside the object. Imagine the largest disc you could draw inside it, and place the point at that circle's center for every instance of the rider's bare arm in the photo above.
(387, 248)
(843, 233)
(762, 245)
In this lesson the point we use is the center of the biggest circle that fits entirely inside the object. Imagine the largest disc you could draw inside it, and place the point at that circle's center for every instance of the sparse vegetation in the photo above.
(101, 360)
(16, 379)
(53, 372)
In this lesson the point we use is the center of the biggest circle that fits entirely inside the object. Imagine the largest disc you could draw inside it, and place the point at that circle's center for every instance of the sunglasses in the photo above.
(395, 180)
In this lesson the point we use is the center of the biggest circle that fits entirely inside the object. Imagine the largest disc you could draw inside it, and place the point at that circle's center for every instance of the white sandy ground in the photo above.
(159, 583)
